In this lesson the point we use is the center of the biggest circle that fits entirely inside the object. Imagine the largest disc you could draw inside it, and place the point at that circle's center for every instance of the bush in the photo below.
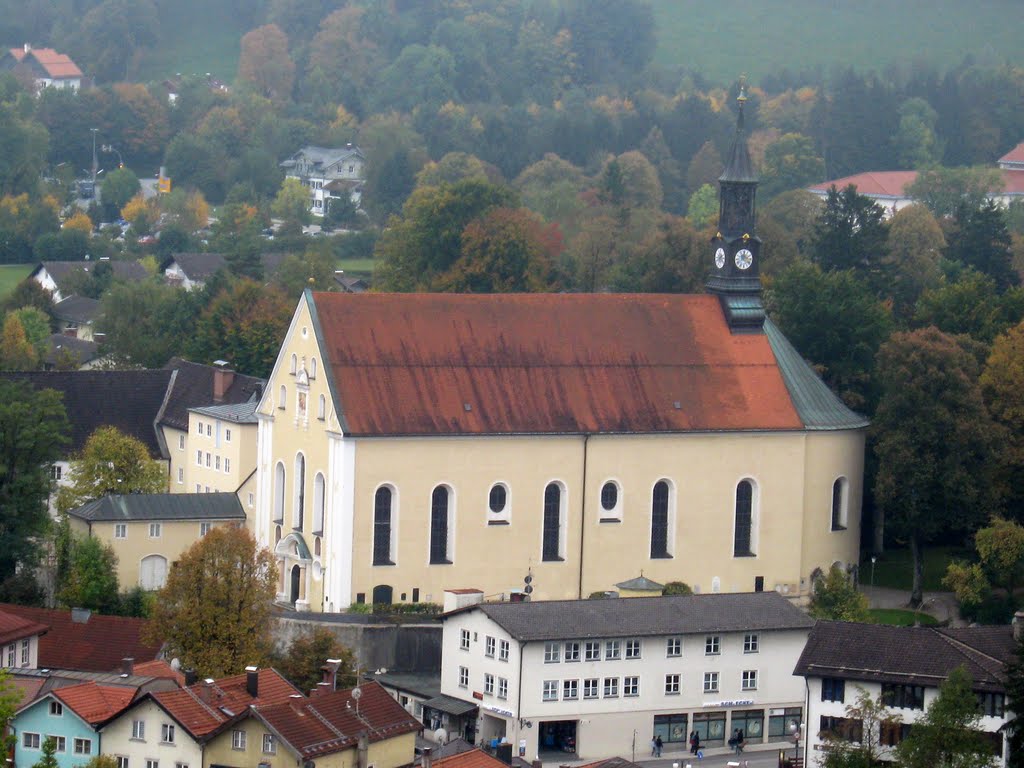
(677, 588)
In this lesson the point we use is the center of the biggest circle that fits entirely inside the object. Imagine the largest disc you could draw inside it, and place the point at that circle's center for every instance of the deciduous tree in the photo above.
(33, 429)
(863, 750)
(265, 65)
(91, 577)
(292, 202)
(16, 351)
(214, 611)
(111, 463)
(950, 732)
(118, 188)
(305, 657)
(790, 162)
(837, 598)
(943, 190)
(934, 441)
(915, 245)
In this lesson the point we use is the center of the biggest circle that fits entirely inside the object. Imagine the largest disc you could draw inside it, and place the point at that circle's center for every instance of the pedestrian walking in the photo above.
(658, 744)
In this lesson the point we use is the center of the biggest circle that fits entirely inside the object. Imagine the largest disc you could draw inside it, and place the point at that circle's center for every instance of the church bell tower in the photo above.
(736, 248)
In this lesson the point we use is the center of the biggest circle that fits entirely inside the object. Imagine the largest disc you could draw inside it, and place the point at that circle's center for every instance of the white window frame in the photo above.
(269, 744)
(503, 650)
(631, 686)
(710, 682)
(120, 530)
(751, 642)
(502, 688)
(672, 683)
(550, 691)
(56, 709)
(634, 648)
(155, 529)
(572, 651)
(238, 740)
(60, 743)
(592, 650)
(82, 746)
(122, 761)
(151, 763)
(611, 688)
(30, 740)
(464, 639)
(570, 690)
(205, 528)
(612, 650)
(490, 644)
(673, 647)
(167, 733)
(463, 677)
(552, 653)
(138, 730)
(591, 687)
(712, 645)
(181, 442)
(488, 683)
(748, 680)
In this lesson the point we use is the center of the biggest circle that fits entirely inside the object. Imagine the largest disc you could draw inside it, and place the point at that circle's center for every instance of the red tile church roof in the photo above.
(873, 183)
(1015, 155)
(448, 364)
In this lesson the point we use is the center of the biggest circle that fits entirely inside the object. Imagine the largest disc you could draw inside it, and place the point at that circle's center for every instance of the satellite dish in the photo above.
(357, 693)
(175, 663)
(528, 578)
(309, 764)
(528, 589)
(441, 736)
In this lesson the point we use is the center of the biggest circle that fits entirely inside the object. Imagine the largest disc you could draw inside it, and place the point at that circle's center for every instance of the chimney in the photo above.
(128, 665)
(427, 757)
(363, 751)
(331, 673)
(206, 691)
(1018, 625)
(319, 690)
(252, 681)
(191, 678)
(296, 700)
(222, 378)
(80, 615)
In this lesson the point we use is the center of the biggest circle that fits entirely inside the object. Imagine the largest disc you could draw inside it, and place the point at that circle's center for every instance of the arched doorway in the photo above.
(383, 594)
(293, 593)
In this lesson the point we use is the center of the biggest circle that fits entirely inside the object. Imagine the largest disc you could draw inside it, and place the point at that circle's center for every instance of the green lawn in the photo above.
(11, 275)
(196, 37)
(901, 618)
(894, 570)
(356, 267)
(722, 39)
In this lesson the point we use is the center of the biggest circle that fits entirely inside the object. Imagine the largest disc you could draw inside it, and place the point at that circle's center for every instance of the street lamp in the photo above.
(794, 729)
(873, 559)
(108, 148)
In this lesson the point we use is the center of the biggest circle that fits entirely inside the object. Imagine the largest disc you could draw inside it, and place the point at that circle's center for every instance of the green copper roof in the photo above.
(816, 404)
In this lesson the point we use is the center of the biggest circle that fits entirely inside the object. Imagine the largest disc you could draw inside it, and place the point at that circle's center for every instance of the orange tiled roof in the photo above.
(159, 669)
(227, 697)
(879, 183)
(1015, 155)
(437, 364)
(331, 722)
(13, 627)
(95, 703)
(474, 758)
(96, 645)
(57, 65)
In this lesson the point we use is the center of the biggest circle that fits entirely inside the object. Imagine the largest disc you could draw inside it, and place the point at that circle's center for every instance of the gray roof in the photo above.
(640, 583)
(240, 413)
(323, 156)
(818, 406)
(77, 309)
(61, 348)
(425, 685)
(129, 271)
(913, 655)
(162, 506)
(450, 705)
(644, 616)
(196, 266)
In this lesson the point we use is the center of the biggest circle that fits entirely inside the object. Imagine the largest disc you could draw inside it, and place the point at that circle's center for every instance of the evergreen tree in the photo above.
(851, 233)
(1014, 681)
(48, 759)
(981, 239)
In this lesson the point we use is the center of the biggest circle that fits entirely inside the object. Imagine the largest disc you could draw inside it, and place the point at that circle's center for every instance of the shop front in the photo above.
(557, 736)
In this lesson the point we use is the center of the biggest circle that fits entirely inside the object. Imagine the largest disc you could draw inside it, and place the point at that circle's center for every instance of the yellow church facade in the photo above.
(401, 455)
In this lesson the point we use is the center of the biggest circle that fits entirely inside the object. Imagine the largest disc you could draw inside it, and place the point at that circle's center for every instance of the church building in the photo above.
(413, 443)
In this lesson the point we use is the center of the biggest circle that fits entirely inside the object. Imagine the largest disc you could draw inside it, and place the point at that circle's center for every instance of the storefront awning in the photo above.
(449, 705)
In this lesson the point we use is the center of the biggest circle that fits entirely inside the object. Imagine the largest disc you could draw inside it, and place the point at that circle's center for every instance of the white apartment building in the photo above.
(329, 174)
(599, 678)
(906, 666)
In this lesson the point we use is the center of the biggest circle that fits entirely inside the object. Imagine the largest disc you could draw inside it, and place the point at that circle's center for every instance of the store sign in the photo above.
(500, 711)
(730, 703)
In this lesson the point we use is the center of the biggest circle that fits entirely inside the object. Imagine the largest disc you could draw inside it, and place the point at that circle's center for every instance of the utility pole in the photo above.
(95, 164)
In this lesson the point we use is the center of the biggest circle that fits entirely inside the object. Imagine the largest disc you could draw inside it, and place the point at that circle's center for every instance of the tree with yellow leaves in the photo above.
(80, 221)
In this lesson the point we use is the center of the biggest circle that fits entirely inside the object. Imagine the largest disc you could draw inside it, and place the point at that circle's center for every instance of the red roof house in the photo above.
(44, 65)
(79, 639)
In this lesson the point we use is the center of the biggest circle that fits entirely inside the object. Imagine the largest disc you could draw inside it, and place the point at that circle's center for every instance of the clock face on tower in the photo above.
(744, 258)
(720, 258)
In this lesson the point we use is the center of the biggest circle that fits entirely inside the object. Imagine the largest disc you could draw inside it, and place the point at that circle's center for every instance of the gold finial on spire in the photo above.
(743, 89)
(746, 236)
